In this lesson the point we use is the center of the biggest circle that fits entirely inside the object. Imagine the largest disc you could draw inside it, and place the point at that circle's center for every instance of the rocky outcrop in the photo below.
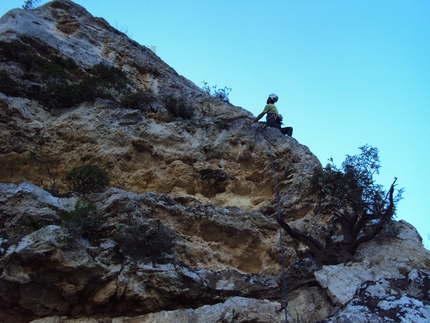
(50, 272)
(224, 260)
(214, 155)
(236, 309)
(187, 232)
(389, 300)
(391, 255)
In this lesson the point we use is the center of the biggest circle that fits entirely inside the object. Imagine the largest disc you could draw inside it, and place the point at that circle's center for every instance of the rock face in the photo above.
(408, 301)
(213, 155)
(187, 232)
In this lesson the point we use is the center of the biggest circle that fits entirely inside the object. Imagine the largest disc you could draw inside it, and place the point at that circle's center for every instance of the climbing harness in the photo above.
(284, 303)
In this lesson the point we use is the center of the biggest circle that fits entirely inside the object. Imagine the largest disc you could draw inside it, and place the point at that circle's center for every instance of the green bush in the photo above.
(177, 106)
(140, 240)
(33, 224)
(87, 179)
(352, 186)
(359, 207)
(223, 124)
(221, 94)
(30, 4)
(101, 82)
(83, 221)
(108, 76)
(68, 95)
(36, 57)
(58, 82)
(137, 100)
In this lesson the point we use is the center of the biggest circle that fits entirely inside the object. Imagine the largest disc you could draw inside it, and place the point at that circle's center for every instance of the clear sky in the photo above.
(347, 72)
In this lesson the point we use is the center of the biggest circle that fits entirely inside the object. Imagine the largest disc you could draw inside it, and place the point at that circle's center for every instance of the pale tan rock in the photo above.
(236, 309)
(104, 293)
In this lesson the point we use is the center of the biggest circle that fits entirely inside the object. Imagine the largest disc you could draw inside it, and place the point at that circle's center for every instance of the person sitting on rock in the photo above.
(273, 118)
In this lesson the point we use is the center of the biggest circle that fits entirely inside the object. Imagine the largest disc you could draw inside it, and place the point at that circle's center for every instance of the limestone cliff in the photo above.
(187, 169)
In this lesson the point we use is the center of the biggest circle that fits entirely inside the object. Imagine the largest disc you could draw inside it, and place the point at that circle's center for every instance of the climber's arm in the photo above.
(258, 117)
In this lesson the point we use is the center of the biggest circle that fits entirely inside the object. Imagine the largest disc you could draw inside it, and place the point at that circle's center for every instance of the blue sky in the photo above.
(347, 72)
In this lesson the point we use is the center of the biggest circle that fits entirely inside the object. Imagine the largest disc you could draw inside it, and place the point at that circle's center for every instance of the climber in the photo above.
(273, 118)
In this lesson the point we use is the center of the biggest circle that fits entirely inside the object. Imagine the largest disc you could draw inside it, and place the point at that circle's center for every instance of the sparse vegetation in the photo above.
(87, 179)
(33, 224)
(177, 106)
(102, 81)
(140, 239)
(37, 57)
(221, 94)
(57, 82)
(204, 107)
(108, 76)
(26, 225)
(359, 206)
(139, 99)
(83, 221)
(30, 4)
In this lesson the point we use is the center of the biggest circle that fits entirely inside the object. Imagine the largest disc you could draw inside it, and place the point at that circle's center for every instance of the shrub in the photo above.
(87, 179)
(177, 106)
(352, 187)
(100, 82)
(36, 57)
(83, 221)
(359, 206)
(137, 100)
(9, 86)
(221, 94)
(108, 76)
(140, 240)
(33, 224)
(30, 4)
(57, 82)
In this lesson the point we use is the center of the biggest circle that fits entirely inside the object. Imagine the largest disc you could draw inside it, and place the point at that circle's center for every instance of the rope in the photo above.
(284, 303)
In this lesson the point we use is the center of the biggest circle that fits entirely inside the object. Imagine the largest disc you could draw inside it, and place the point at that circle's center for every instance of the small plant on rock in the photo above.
(143, 239)
(83, 221)
(102, 81)
(139, 99)
(177, 106)
(30, 4)
(221, 94)
(87, 179)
